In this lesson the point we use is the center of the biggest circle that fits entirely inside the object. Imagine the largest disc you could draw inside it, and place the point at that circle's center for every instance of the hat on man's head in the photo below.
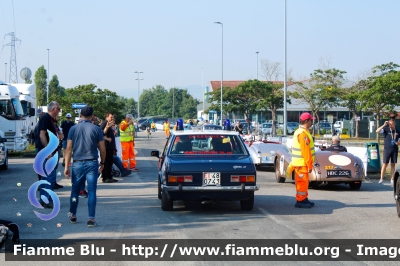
(68, 115)
(87, 110)
(306, 116)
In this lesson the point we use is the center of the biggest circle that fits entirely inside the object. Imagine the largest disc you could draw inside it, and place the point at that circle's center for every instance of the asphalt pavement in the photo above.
(130, 209)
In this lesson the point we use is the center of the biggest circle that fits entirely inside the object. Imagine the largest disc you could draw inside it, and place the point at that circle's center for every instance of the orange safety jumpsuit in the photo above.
(128, 145)
(303, 157)
(166, 128)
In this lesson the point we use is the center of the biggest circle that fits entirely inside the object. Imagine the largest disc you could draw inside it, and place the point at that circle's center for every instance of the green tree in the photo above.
(41, 86)
(242, 99)
(102, 101)
(55, 90)
(383, 90)
(271, 96)
(321, 91)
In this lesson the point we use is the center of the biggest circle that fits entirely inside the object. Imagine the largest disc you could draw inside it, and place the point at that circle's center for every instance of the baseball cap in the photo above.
(87, 110)
(68, 115)
(306, 116)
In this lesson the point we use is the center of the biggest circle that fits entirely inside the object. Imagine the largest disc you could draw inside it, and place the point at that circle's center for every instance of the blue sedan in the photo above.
(220, 169)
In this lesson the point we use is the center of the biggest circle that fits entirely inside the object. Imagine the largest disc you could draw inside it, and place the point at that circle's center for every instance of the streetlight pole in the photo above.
(257, 64)
(222, 64)
(285, 86)
(48, 74)
(5, 75)
(202, 89)
(138, 92)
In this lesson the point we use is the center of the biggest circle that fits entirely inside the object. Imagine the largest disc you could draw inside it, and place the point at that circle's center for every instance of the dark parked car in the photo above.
(221, 169)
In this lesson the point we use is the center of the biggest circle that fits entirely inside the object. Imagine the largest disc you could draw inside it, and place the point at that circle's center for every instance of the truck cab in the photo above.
(12, 121)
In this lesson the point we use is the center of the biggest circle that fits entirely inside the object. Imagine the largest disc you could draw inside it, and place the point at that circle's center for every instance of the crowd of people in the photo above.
(82, 145)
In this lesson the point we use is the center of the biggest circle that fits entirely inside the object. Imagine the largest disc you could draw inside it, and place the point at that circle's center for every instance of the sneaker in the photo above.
(83, 194)
(126, 173)
(380, 181)
(91, 223)
(302, 204)
(309, 202)
(110, 180)
(57, 186)
(72, 218)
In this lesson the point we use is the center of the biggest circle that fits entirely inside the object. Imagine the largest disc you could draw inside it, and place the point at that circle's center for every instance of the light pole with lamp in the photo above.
(48, 74)
(222, 64)
(138, 92)
(257, 64)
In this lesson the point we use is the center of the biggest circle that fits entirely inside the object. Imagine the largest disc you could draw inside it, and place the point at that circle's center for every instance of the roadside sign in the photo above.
(78, 105)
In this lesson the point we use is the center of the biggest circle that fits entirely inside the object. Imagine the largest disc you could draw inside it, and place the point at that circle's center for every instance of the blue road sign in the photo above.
(78, 105)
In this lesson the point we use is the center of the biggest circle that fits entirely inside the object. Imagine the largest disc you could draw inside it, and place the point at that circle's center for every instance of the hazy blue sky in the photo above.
(104, 42)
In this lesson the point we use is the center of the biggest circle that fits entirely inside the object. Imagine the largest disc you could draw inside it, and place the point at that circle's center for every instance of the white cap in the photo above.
(68, 115)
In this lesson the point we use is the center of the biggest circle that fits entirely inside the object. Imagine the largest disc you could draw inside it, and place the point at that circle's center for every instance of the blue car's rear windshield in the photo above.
(208, 144)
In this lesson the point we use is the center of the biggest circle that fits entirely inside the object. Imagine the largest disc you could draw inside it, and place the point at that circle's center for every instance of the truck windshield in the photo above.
(11, 109)
(25, 107)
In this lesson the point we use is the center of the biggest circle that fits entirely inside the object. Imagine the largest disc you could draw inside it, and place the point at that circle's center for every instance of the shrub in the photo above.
(345, 130)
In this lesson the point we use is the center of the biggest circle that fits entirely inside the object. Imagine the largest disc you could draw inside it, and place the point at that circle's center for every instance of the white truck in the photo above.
(28, 102)
(12, 121)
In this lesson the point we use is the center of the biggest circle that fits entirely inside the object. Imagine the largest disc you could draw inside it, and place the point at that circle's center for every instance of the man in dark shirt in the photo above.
(109, 139)
(48, 122)
(65, 126)
(239, 128)
(391, 149)
(336, 145)
(83, 142)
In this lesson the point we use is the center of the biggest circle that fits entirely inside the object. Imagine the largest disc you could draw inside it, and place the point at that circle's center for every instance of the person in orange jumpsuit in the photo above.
(166, 128)
(127, 139)
(303, 158)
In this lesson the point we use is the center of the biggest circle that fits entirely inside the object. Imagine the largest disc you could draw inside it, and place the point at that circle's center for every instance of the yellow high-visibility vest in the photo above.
(297, 158)
(127, 135)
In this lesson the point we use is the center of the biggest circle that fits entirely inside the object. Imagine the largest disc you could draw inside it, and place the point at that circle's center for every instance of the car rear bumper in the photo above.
(231, 193)
(210, 188)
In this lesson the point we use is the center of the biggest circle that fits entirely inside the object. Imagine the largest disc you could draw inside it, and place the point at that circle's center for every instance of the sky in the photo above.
(176, 43)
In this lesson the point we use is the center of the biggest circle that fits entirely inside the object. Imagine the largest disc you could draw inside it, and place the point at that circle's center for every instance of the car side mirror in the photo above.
(155, 154)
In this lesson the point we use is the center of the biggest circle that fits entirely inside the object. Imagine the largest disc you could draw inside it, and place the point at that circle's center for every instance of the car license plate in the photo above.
(211, 179)
(338, 173)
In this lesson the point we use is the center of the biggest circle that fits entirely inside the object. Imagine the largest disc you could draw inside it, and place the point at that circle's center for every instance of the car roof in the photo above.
(210, 132)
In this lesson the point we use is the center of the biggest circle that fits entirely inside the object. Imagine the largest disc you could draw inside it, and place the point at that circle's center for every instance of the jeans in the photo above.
(118, 163)
(51, 178)
(81, 172)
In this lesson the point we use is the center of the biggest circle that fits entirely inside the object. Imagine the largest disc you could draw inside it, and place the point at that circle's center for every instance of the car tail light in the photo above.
(180, 179)
(243, 178)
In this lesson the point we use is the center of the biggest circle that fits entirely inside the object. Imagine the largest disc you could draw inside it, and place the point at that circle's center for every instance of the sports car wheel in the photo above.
(398, 196)
(166, 203)
(159, 188)
(278, 176)
(355, 185)
(247, 205)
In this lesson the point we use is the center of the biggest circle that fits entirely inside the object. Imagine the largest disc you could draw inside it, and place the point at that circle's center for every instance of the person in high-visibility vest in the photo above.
(153, 126)
(166, 128)
(303, 158)
(127, 139)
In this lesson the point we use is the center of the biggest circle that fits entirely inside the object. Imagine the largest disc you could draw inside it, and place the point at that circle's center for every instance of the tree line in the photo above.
(154, 101)
(378, 92)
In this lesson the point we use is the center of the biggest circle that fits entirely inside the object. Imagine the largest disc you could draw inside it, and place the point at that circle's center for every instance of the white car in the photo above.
(263, 152)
